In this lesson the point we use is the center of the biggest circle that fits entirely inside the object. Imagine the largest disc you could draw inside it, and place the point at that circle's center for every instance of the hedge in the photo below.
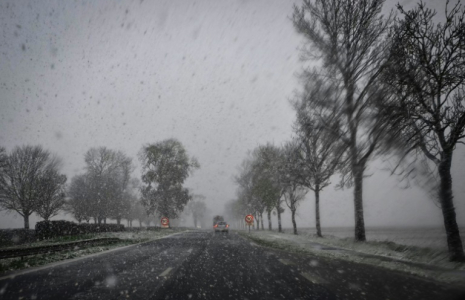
(10, 237)
(50, 229)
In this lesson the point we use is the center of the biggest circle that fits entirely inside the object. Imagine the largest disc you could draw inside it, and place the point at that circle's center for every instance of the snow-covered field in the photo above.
(427, 262)
(434, 238)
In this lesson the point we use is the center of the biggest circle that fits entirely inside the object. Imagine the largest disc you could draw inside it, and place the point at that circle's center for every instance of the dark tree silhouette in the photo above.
(23, 179)
(166, 166)
(427, 73)
(349, 38)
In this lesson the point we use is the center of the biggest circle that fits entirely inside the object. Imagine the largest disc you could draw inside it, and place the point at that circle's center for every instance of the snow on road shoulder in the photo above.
(142, 235)
(430, 263)
(127, 238)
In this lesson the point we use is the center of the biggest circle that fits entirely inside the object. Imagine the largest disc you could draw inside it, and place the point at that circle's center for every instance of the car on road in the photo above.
(221, 227)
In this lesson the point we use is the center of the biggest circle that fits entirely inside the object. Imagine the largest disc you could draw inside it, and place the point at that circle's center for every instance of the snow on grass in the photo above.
(127, 238)
(135, 236)
(424, 237)
(143, 235)
(426, 262)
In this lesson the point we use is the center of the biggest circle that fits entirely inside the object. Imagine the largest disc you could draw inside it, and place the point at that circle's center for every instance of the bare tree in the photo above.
(319, 150)
(293, 195)
(349, 36)
(80, 203)
(22, 178)
(166, 166)
(246, 191)
(140, 213)
(266, 182)
(236, 210)
(271, 157)
(133, 210)
(3, 168)
(131, 196)
(108, 175)
(52, 196)
(197, 208)
(428, 75)
(3, 159)
(260, 184)
(289, 170)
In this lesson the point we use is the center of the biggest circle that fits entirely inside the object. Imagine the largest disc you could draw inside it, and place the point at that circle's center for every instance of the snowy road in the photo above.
(204, 265)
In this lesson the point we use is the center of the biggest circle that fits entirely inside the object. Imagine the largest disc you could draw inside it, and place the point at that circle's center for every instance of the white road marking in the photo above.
(166, 272)
(313, 279)
(286, 262)
(190, 250)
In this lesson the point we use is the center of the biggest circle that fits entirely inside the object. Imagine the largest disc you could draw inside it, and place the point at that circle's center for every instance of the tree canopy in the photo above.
(166, 166)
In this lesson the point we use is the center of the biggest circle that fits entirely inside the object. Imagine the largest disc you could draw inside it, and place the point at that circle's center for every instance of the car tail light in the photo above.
(216, 225)
(227, 226)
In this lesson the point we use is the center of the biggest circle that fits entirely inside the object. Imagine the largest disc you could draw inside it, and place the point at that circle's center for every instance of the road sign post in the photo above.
(165, 222)
(249, 220)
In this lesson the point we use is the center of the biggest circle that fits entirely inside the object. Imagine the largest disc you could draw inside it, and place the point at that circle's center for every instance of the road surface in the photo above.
(205, 265)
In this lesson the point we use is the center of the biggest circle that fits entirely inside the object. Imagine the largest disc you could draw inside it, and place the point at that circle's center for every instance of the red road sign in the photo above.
(249, 219)
(165, 222)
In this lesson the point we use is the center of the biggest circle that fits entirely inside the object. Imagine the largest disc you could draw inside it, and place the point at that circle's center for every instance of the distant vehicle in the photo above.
(221, 227)
(217, 219)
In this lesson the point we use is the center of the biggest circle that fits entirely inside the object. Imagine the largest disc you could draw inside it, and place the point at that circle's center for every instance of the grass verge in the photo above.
(451, 275)
(127, 238)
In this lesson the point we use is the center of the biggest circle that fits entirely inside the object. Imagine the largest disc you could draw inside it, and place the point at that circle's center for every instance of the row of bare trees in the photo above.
(31, 182)
(269, 179)
(385, 85)
(106, 189)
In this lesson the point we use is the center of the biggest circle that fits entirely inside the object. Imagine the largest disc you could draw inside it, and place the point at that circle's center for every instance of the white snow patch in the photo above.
(384, 253)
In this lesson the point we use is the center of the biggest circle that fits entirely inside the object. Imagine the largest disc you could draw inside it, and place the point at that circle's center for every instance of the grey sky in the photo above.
(217, 75)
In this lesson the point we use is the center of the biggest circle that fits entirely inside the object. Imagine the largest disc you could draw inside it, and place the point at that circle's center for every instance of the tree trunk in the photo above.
(317, 211)
(257, 222)
(269, 220)
(278, 208)
(294, 224)
(261, 220)
(118, 221)
(454, 242)
(26, 221)
(356, 164)
(358, 203)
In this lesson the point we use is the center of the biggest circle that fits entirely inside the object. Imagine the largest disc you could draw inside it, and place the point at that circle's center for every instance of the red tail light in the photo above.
(227, 226)
(216, 225)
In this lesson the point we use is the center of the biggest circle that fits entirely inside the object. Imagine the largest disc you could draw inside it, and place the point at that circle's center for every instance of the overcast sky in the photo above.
(216, 75)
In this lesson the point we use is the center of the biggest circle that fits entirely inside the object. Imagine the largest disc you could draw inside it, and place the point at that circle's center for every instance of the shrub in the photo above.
(91, 228)
(154, 228)
(10, 237)
(50, 229)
